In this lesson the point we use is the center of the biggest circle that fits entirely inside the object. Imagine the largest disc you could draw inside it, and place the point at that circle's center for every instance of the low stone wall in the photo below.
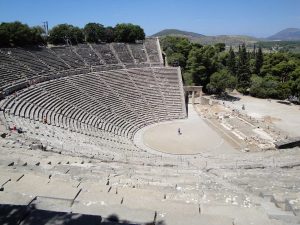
(289, 143)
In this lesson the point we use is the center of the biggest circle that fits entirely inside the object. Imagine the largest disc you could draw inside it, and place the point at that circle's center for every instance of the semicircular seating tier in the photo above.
(22, 66)
(107, 91)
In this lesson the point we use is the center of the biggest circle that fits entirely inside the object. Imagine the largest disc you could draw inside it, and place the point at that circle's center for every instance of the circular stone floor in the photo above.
(197, 137)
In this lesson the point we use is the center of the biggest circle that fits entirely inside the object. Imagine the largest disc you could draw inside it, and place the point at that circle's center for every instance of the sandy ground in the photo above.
(196, 137)
(285, 117)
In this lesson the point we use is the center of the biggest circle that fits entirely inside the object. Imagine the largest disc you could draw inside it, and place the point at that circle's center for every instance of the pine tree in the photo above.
(244, 55)
(231, 61)
(243, 70)
(259, 59)
(254, 52)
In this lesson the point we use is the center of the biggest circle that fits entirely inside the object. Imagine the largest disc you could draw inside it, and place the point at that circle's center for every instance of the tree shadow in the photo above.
(29, 215)
(227, 97)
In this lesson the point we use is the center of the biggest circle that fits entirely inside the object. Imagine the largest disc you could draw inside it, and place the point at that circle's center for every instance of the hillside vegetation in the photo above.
(264, 75)
(282, 46)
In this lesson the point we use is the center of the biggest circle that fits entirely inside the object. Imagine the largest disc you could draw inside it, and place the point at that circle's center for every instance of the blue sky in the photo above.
(258, 18)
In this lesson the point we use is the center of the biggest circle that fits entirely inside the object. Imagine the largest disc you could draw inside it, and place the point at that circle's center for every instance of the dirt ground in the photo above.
(285, 117)
(196, 137)
(248, 124)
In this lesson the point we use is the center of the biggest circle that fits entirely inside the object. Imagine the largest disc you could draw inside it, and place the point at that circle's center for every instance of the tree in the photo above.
(37, 35)
(253, 55)
(195, 70)
(64, 33)
(295, 87)
(4, 35)
(77, 35)
(259, 60)
(177, 50)
(283, 69)
(177, 59)
(128, 33)
(220, 81)
(266, 87)
(284, 90)
(19, 34)
(231, 62)
(201, 64)
(220, 47)
(94, 32)
(295, 81)
(243, 70)
(109, 34)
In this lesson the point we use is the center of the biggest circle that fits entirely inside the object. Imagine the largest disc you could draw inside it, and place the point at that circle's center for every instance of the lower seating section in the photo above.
(118, 102)
(86, 141)
(137, 186)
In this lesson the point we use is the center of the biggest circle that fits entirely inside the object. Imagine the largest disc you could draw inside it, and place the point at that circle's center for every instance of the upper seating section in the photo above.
(138, 53)
(18, 64)
(123, 52)
(89, 56)
(28, 59)
(153, 50)
(68, 55)
(50, 58)
(11, 70)
(106, 53)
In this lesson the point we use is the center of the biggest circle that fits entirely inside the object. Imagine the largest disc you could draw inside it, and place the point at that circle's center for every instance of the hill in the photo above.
(233, 40)
(289, 34)
(175, 32)
(229, 40)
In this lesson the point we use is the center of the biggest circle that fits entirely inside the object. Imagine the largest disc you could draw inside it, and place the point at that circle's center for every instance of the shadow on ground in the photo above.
(29, 215)
(227, 97)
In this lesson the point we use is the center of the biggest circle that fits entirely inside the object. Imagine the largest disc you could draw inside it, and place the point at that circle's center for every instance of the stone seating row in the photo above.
(118, 101)
(26, 63)
(152, 49)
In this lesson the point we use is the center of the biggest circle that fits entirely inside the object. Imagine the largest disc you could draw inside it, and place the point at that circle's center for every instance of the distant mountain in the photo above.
(289, 34)
(175, 32)
(233, 40)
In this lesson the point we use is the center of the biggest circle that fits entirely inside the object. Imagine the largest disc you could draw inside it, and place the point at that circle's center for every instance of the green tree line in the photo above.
(264, 75)
(19, 34)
